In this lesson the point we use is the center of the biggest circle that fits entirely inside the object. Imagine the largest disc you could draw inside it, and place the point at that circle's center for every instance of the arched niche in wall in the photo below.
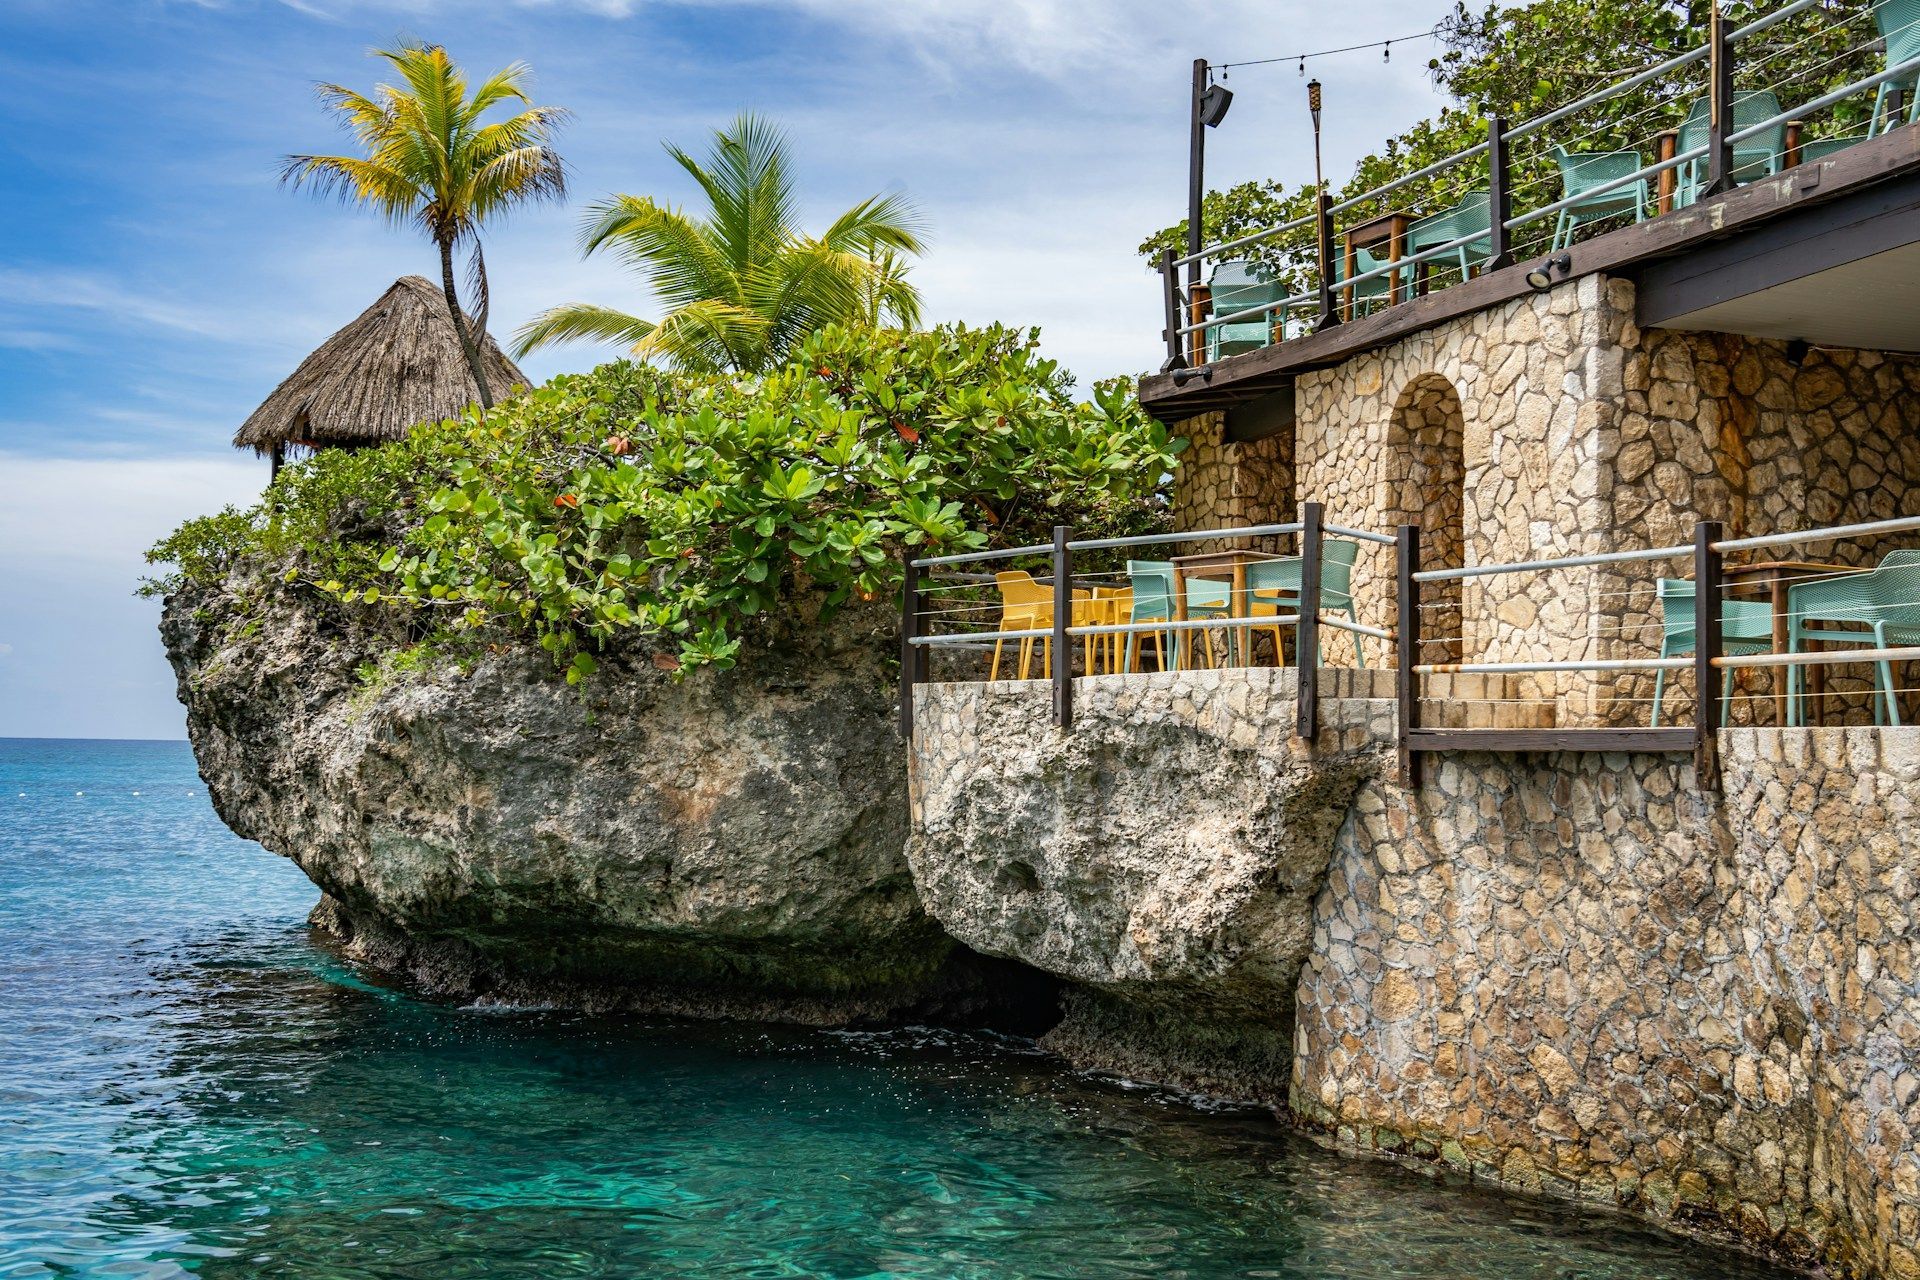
(1425, 479)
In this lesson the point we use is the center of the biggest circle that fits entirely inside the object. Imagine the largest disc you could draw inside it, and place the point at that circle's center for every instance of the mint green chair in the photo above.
(1580, 172)
(1885, 601)
(1821, 148)
(1754, 157)
(1275, 584)
(1468, 215)
(1238, 286)
(1746, 627)
(1152, 583)
(1153, 601)
(1899, 24)
(1366, 295)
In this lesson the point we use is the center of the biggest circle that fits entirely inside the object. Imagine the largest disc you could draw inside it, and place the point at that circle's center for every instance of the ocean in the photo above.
(193, 1085)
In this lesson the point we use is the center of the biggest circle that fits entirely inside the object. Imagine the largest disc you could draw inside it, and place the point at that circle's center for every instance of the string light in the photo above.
(1385, 46)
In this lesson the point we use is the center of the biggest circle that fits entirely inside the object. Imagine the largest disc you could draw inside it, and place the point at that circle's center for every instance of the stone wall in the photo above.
(1580, 974)
(1571, 974)
(1552, 425)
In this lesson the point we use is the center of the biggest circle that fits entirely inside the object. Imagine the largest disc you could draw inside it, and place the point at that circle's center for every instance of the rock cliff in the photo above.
(728, 843)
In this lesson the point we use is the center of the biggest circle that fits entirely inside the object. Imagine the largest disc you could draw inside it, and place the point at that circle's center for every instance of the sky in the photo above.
(156, 281)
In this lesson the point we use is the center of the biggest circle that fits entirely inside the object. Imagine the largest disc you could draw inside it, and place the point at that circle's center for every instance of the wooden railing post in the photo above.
(1199, 303)
(1720, 103)
(1707, 648)
(1170, 287)
(1666, 145)
(1323, 220)
(1062, 619)
(1306, 634)
(1407, 649)
(1499, 193)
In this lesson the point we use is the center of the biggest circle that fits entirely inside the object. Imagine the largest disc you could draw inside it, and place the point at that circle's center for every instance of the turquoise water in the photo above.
(189, 1086)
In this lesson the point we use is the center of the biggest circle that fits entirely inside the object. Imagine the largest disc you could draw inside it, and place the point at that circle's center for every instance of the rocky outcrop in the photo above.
(1163, 857)
(727, 843)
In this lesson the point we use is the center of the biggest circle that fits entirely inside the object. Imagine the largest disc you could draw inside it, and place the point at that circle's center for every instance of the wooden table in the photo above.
(1220, 566)
(1389, 229)
(1770, 579)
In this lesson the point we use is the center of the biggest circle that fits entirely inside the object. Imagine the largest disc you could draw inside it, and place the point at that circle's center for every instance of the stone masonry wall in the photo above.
(1552, 425)
(1580, 974)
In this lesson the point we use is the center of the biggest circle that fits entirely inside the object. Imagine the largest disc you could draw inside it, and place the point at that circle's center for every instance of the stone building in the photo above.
(1513, 423)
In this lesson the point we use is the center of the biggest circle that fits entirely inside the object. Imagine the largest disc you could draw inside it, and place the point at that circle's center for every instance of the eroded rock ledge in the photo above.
(1163, 857)
(730, 843)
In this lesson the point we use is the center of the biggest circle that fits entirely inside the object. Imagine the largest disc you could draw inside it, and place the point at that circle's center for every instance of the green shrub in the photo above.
(675, 506)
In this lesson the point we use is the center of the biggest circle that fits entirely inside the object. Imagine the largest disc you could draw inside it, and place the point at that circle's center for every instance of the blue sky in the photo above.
(156, 282)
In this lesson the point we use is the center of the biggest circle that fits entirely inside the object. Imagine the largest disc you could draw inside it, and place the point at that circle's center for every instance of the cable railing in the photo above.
(1711, 141)
(1820, 640)
(1793, 620)
(1230, 603)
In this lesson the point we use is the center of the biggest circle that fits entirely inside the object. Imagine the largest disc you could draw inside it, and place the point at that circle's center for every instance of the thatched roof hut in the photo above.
(398, 364)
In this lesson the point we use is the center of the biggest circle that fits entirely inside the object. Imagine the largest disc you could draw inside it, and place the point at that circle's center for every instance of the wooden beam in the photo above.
(1431, 740)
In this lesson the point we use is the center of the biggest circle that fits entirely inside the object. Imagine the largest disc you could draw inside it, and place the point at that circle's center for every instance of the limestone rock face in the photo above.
(730, 843)
(1163, 856)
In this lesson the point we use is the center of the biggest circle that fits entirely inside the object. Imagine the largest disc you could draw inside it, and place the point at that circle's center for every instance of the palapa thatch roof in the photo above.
(398, 364)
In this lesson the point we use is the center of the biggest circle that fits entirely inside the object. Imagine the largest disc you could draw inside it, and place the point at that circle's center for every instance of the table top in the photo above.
(1200, 562)
(1376, 229)
(1777, 566)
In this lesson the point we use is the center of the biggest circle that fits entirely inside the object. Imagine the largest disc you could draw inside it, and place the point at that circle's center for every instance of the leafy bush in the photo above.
(674, 506)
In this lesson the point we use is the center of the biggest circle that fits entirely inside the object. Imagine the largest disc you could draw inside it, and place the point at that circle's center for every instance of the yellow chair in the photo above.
(1026, 605)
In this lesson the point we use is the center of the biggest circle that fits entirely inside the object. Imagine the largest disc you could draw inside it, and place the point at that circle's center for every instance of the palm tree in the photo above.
(742, 285)
(431, 161)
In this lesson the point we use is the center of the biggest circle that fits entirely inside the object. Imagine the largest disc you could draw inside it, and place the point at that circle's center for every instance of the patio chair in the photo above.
(1899, 24)
(1026, 605)
(1468, 215)
(1581, 172)
(1746, 627)
(1885, 601)
(1238, 286)
(1754, 157)
(1153, 601)
(1366, 295)
(1275, 588)
(1821, 148)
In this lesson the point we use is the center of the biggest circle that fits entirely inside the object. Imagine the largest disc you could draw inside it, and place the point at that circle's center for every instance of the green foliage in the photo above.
(743, 285)
(1522, 61)
(674, 507)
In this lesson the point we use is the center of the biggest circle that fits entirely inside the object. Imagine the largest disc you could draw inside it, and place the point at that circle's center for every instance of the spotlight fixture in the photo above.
(1214, 101)
(1798, 350)
(1541, 277)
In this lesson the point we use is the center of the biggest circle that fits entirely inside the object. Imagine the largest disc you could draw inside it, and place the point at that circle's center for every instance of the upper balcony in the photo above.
(1737, 184)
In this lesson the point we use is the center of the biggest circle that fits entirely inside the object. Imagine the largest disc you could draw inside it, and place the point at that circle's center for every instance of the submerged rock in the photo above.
(728, 843)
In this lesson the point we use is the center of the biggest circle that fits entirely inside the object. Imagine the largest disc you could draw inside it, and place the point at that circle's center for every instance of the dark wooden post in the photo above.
(1666, 145)
(913, 657)
(1499, 193)
(1306, 634)
(1791, 144)
(1407, 649)
(1323, 218)
(1062, 619)
(1720, 101)
(277, 460)
(1707, 592)
(1170, 286)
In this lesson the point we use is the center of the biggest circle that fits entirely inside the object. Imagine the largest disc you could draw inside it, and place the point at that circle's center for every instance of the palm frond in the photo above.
(575, 321)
